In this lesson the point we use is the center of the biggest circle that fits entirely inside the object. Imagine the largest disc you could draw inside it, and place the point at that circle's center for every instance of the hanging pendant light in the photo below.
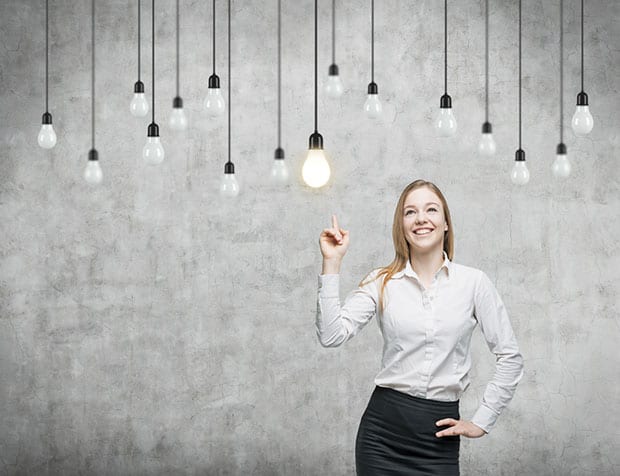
(153, 152)
(214, 102)
(177, 121)
(561, 166)
(279, 169)
(520, 175)
(47, 136)
(486, 146)
(372, 106)
(138, 106)
(582, 119)
(316, 171)
(92, 173)
(445, 122)
(334, 87)
(229, 187)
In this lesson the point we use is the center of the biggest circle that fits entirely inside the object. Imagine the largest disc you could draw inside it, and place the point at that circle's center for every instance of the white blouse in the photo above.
(427, 332)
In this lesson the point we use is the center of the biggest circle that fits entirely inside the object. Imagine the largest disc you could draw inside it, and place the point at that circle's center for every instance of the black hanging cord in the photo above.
(229, 81)
(177, 48)
(213, 36)
(153, 53)
(316, 60)
(92, 85)
(581, 45)
(46, 53)
(372, 41)
(561, 71)
(279, 75)
(519, 74)
(486, 61)
(445, 47)
(139, 34)
(333, 31)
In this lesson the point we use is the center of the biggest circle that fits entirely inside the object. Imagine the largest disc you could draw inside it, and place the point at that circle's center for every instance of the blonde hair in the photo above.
(401, 247)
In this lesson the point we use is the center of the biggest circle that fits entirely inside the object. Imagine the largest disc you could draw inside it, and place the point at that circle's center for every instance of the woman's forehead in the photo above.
(422, 196)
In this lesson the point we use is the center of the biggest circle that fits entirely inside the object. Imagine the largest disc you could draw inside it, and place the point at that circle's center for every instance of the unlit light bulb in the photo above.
(214, 102)
(139, 107)
(153, 152)
(334, 87)
(519, 174)
(561, 166)
(445, 124)
(486, 146)
(372, 106)
(47, 136)
(92, 172)
(315, 170)
(178, 120)
(582, 121)
(229, 187)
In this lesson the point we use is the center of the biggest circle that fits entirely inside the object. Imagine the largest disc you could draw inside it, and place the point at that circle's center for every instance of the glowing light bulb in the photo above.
(519, 174)
(486, 146)
(153, 152)
(138, 106)
(178, 120)
(214, 102)
(334, 87)
(315, 170)
(279, 168)
(92, 172)
(561, 166)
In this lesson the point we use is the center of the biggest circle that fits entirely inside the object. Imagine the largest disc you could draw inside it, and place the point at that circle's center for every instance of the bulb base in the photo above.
(487, 128)
(153, 130)
(177, 102)
(520, 155)
(138, 87)
(582, 99)
(316, 141)
(279, 153)
(561, 149)
(93, 154)
(333, 70)
(214, 81)
(373, 88)
(229, 168)
(47, 118)
(445, 102)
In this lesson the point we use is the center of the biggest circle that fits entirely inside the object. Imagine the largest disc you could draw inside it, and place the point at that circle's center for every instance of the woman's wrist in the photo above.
(331, 265)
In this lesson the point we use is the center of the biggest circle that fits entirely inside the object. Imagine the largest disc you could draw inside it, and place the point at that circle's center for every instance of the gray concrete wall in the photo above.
(151, 327)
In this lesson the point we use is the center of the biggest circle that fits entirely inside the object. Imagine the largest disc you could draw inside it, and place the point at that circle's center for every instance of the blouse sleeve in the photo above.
(491, 314)
(335, 324)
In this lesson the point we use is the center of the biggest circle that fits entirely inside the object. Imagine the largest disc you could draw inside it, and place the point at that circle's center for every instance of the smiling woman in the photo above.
(427, 307)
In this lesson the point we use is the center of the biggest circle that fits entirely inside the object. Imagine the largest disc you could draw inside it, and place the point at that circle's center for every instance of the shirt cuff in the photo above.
(485, 418)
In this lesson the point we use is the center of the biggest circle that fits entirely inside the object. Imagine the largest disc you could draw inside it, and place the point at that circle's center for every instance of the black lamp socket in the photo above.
(333, 70)
(487, 128)
(373, 88)
(520, 155)
(229, 168)
(445, 102)
(561, 149)
(214, 81)
(153, 130)
(582, 99)
(47, 118)
(138, 87)
(316, 141)
(177, 103)
(279, 153)
(93, 154)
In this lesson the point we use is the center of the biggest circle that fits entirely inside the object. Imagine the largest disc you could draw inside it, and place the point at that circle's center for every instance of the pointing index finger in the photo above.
(335, 223)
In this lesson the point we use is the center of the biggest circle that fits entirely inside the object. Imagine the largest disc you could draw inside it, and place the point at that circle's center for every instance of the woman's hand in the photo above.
(459, 427)
(334, 241)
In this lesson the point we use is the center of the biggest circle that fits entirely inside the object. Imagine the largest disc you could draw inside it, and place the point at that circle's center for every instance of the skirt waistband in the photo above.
(405, 398)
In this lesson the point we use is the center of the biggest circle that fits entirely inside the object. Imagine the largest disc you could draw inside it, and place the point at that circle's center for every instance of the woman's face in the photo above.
(423, 220)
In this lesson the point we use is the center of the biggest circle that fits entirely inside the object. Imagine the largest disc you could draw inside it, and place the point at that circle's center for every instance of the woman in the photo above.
(426, 307)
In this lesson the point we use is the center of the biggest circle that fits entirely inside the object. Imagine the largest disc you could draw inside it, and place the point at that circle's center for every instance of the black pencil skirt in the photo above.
(396, 436)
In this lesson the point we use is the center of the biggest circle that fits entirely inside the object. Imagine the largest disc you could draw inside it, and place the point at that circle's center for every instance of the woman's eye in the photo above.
(408, 212)
(433, 208)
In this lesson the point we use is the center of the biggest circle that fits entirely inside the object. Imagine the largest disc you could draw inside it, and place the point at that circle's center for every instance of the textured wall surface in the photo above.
(151, 327)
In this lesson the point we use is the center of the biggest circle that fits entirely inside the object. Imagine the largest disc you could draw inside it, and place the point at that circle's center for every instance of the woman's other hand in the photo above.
(459, 427)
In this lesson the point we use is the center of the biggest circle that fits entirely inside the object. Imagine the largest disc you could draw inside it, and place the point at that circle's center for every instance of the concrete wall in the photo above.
(150, 327)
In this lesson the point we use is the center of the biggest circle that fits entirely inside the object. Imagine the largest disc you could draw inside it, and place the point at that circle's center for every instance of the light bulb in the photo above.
(561, 166)
(445, 124)
(372, 106)
(315, 170)
(214, 102)
(334, 87)
(153, 152)
(178, 120)
(47, 136)
(279, 172)
(486, 146)
(229, 187)
(519, 174)
(92, 172)
(582, 121)
(139, 107)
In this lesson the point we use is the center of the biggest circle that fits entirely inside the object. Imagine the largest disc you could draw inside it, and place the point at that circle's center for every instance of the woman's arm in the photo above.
(491, 314)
